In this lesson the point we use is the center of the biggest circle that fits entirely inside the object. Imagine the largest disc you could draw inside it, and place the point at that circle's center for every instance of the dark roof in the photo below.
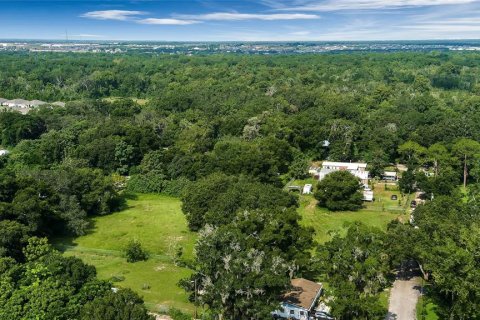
(303, 294)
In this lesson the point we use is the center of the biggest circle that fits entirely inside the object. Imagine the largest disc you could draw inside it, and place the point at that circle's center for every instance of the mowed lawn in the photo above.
(159, 224)
(377, 214)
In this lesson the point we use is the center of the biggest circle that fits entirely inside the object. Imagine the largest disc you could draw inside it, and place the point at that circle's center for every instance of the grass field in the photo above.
(378, 213)
(158, 223)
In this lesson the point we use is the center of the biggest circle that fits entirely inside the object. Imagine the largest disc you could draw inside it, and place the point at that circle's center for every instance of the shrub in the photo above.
(153, 182)
(134, 252)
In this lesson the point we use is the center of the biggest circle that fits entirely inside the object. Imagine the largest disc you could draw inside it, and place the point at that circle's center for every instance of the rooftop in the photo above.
(304, 293)
(347, 165)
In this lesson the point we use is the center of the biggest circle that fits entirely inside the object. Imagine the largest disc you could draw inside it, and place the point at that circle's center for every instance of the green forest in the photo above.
(225, 134)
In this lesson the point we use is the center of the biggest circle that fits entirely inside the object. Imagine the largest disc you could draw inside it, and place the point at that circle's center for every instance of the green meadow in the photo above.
(376, 214)
(159, 224)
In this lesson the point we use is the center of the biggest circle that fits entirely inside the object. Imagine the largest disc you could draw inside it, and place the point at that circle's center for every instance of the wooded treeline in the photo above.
(191, 126)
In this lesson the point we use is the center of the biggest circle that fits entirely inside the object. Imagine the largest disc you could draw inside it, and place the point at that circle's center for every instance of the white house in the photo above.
(17, 103)
(299, 304)
(355, 168)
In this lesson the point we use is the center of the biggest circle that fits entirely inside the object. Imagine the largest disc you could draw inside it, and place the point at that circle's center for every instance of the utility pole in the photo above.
(195, 284)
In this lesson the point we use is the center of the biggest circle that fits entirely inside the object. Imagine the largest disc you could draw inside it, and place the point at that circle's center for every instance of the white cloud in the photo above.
(235, 16)
(337, 5)
(112, 14)
(300, 33)
(178, 22)
(86, 35)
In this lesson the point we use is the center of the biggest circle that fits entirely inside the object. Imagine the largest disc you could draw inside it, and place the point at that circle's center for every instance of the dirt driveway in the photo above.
(404, 295)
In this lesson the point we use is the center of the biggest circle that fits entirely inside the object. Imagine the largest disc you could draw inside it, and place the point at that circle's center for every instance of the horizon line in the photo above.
(230, 41)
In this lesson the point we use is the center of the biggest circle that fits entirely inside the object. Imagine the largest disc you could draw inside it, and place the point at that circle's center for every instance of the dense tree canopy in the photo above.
(50, 286)
(226, 132)
(338, 191)
(243, 267)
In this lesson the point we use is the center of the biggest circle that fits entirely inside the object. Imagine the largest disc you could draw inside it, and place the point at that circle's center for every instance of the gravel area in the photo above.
(404, 296)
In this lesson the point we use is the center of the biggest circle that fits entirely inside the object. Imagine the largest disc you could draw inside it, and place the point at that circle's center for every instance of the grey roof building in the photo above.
(37, 103)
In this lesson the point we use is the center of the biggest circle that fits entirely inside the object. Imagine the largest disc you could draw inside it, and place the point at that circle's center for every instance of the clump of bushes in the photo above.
(156, 183)
(134, 252)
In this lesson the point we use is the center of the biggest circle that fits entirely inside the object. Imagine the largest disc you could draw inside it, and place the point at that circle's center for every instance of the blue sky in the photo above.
(227, 20)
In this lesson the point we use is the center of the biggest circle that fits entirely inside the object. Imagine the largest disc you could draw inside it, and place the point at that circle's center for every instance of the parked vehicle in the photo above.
(322, 315)
(413, 204)
(394, 197)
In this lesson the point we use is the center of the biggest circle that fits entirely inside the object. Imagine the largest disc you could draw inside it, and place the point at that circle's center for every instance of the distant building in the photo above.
(17, 103)
(300, 302)
(36, 103)
(24, 106)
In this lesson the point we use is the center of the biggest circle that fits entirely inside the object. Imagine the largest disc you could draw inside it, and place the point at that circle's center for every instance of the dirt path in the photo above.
(404, 296)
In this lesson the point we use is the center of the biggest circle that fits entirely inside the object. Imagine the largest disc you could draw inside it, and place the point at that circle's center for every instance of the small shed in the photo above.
(368, 195)
(294, 188)
(389, 176)
(307, 189)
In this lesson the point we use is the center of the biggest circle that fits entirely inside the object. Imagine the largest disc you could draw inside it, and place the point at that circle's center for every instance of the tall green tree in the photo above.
(338, 191)
(242, 268)
(465, 151)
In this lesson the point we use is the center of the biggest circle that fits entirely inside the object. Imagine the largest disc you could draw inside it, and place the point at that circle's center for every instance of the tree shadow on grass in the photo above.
(122, 201)
(67, 241)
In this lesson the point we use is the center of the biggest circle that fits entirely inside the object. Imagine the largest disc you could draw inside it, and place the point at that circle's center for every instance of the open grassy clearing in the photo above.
(141, 102)
(378, 213)
(158, 223)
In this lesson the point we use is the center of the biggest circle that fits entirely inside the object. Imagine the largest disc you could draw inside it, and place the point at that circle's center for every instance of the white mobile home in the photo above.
(355, 168)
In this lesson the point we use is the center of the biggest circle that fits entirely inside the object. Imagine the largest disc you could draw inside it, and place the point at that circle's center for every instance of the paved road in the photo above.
(404, 296)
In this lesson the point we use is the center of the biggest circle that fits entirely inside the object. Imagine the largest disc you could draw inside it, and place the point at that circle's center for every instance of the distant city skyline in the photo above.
(262, 20)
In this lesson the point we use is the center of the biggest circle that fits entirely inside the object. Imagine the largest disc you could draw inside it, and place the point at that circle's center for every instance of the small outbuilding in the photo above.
(368, 195)
(389, 176)
(307, 189)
